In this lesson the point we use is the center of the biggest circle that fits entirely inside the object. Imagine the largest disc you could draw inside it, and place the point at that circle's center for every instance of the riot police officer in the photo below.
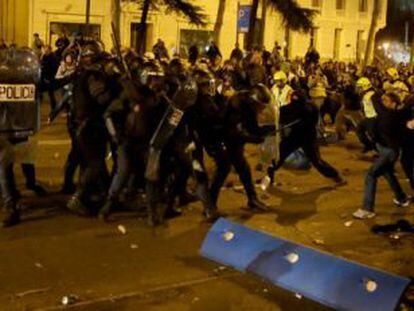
(130, 120)
(94, 87)
(8, 188)
(170, 148)
(19, 115)
(240, 126)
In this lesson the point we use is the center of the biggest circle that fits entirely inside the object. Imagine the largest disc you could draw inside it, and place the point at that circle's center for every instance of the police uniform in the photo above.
(7, 184)
(131, 120)
(240, 126)
(93, 91)
(19, 115)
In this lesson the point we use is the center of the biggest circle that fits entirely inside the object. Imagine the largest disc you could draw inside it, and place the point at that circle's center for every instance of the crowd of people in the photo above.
(160, 116)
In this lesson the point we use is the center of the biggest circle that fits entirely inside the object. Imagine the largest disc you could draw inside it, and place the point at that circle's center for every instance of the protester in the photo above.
(388, 142)
(312, 57)
(193, 54)
(160, 51)
(213, 52)
(236, 53)
(369, 102)
(3, 44)
(318, 84)
(49, 65)
(61, 44)
(37, 45)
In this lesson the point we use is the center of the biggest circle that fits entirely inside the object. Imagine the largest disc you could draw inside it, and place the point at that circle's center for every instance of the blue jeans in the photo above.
(383, 166)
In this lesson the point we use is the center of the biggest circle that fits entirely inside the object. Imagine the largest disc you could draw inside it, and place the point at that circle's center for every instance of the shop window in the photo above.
(72, 30)
(189, 37)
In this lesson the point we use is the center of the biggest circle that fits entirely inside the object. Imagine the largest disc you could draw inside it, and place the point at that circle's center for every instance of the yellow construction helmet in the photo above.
(363, 84)
(411, 80)
(393, 73)
(280, 76)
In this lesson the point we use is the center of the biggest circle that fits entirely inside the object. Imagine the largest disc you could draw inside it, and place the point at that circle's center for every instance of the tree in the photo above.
(219, 21)
(87, 17)
(263, 26)
(193, 13)
(376, 11)
(116, 16)
(252, 24)
(293, 16)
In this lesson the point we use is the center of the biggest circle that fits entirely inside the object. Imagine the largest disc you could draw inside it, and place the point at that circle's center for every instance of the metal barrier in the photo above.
(329, 280)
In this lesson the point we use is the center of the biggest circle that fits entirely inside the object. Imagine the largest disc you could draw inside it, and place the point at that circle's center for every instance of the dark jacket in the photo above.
(388, 127)
(241, 121)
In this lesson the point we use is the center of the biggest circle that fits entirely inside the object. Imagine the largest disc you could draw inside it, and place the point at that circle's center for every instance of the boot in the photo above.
(29, 173)
(156, 214)
(211, 215)
(152, 219)
(11, 219)
(68, 189)
(339, 181)
(256, 205)
(173, 212)
(12, 216)
(187, 198)
(107, 209)
(76, 206)
(38, 190)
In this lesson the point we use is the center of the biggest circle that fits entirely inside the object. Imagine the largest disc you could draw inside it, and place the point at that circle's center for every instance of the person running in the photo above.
(388, 125)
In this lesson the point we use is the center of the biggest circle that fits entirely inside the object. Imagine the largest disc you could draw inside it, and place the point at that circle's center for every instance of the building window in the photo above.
(317, 4)
(337, 44)
(360, 45)
(363, 6)
(199, 38)
(71, 29)
(340, 5)
(149, 40)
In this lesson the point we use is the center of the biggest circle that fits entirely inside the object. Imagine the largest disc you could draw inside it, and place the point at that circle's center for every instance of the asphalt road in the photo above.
(53, 253)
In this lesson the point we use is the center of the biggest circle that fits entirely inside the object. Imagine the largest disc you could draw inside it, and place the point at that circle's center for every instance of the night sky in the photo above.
(399, 11)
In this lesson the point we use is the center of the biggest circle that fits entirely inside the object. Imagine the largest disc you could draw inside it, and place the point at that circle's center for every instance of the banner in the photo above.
(243, 18)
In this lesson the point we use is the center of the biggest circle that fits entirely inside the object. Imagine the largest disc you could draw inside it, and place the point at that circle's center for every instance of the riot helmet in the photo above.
(176, 68)
(205, 81)
(90, 53)
(153, 76)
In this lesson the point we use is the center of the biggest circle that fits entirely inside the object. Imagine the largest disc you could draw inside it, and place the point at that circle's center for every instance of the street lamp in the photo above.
(386, 46)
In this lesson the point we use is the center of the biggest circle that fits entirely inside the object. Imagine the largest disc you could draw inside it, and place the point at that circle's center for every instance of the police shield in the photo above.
(165, 130)
(19, 107)
(184, 98)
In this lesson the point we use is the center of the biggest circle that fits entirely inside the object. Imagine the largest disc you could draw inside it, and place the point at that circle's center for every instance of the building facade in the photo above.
(341, 26)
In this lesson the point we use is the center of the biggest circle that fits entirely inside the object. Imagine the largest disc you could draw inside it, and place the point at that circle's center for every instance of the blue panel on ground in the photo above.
(327, 279)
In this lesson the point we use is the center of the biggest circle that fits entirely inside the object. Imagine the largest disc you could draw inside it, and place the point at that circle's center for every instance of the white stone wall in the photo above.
(43, 12)
(167, 26)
